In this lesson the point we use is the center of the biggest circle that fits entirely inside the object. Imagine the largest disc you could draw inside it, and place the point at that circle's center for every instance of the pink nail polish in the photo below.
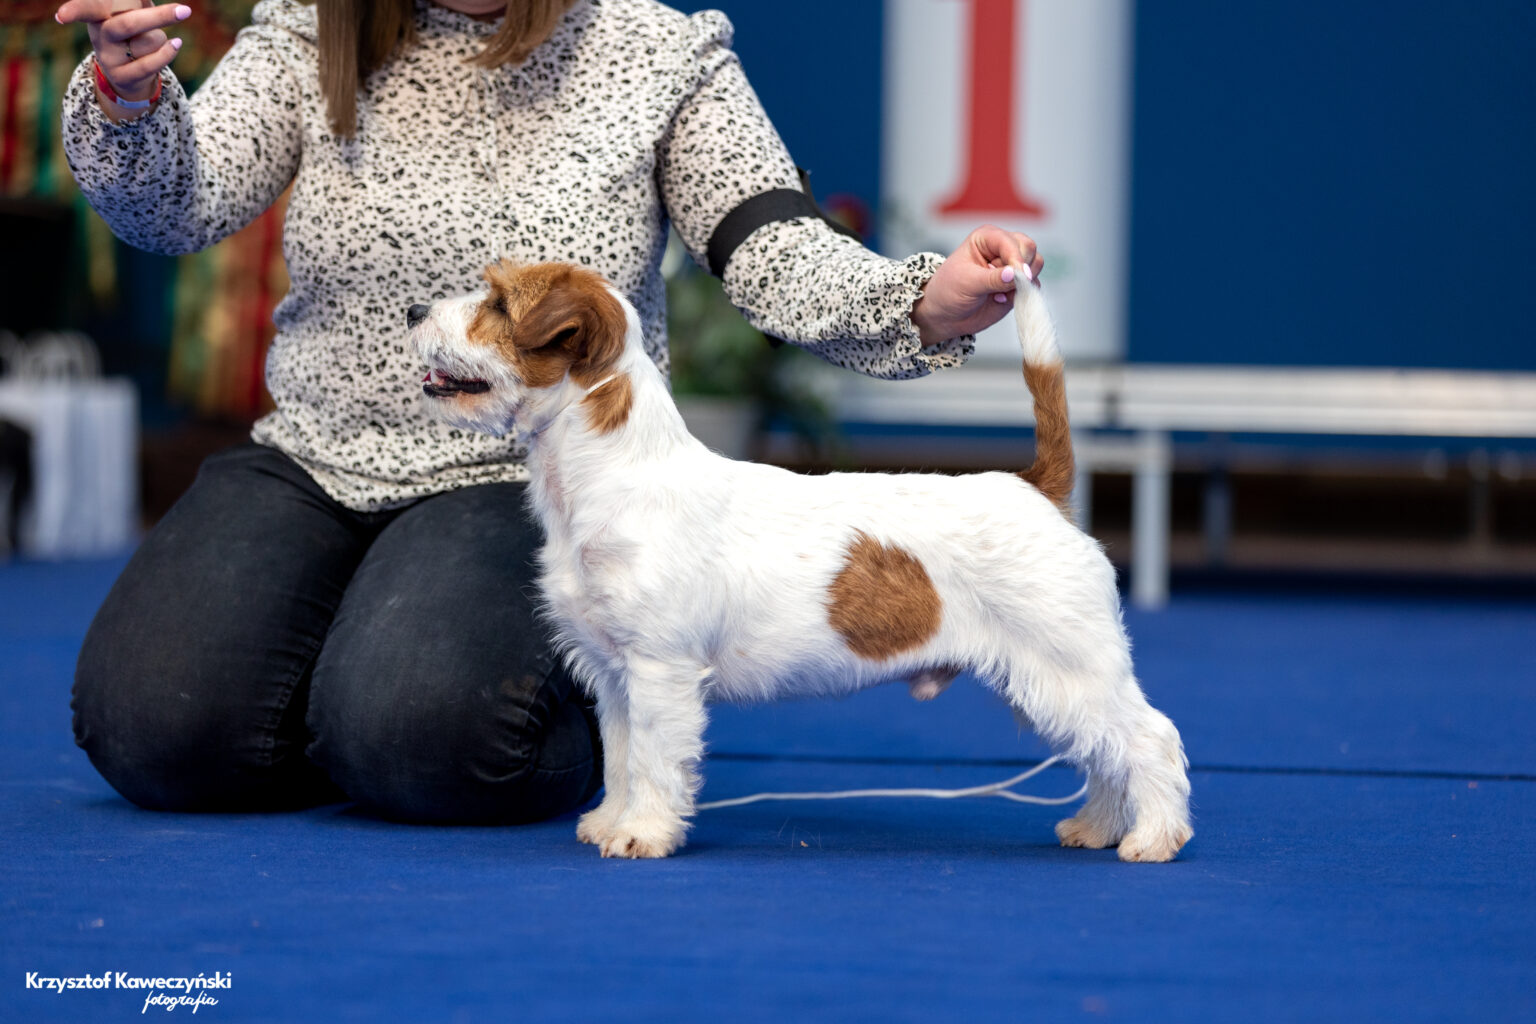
(183, 12)
(999, 297)
(176, 44)
(1007, 275)
(1029, 275)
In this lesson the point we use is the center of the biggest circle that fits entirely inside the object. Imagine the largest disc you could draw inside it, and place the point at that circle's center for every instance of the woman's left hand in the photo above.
(974, 288)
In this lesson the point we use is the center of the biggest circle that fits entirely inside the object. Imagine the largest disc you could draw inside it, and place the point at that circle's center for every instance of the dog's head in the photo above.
(532, 330)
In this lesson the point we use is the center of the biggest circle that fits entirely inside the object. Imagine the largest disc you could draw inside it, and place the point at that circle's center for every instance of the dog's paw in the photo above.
(626, 840)
(597, 824)
(1086, 832)
(1154, 845)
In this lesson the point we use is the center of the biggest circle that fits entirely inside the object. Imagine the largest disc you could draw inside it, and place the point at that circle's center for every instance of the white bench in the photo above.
(1148, 402)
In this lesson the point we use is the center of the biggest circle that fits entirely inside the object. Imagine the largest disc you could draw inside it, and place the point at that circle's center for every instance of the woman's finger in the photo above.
(1029, 259)
(1027, 250)
(993, 245)
(139, 74)
(124, 27)
(136, 79)
(139, 46)
(83, 10)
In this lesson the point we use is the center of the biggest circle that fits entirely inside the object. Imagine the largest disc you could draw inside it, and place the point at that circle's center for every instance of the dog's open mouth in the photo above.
(440, 385)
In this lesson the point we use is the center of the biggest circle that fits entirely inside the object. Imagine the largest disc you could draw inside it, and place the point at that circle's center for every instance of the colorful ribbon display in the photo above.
(221, 300)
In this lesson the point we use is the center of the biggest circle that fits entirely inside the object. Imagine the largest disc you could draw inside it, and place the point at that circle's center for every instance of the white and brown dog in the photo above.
(676, 576)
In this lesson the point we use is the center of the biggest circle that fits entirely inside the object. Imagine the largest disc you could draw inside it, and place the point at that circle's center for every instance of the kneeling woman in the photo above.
(341, 609)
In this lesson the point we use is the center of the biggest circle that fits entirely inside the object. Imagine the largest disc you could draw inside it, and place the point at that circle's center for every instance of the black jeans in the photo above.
(267, 648)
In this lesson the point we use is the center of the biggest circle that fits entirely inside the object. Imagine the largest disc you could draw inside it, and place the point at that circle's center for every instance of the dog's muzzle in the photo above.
(440, 385)
(437, 383)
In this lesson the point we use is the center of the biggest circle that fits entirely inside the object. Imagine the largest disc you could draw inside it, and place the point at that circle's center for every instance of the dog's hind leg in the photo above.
(1093, 710)
(1157, 789)
(664, 743)
(1138, 789)
(1104, 819)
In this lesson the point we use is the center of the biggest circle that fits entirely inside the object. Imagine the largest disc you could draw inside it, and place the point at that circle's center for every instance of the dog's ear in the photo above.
(577, 316)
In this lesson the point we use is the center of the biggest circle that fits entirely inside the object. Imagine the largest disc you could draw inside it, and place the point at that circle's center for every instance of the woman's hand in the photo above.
(974, 288)
(128, 37)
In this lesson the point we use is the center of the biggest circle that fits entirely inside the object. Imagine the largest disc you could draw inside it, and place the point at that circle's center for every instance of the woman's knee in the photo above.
(169, 737)
(190, 686)
(496, 755)
(436, 696)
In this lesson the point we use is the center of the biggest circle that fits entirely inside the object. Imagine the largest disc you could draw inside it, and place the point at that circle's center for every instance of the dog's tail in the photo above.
(1053, 471)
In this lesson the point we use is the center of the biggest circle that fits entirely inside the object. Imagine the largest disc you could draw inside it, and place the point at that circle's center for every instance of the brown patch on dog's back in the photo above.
(608, 407)
(882, 602)
(549, 320)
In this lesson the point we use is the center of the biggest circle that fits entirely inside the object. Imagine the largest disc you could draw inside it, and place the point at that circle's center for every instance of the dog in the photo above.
(675, 576)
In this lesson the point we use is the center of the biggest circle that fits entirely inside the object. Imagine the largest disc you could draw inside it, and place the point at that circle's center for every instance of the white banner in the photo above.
(1016, 113)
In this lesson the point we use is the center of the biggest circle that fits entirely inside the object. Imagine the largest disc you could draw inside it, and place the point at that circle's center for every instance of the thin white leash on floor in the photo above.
(1002, 789)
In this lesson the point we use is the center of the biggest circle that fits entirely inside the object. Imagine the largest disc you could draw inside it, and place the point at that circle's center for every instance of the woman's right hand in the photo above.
(128, 37)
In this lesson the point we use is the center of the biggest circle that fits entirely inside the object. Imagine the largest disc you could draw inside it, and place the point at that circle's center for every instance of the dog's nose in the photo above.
(416, 314)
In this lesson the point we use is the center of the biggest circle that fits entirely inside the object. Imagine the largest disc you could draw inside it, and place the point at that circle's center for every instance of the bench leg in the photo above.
(1151, 521)
(1082, 497)
(1217, 522)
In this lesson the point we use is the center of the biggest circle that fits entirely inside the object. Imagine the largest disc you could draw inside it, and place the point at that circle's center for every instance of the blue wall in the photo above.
(1325, 182)
(1335, 182)
(816, 67)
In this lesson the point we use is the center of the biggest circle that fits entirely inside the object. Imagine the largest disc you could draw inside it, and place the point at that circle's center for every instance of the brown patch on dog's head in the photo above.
(608, 407)
(550, 320)
(883, 602)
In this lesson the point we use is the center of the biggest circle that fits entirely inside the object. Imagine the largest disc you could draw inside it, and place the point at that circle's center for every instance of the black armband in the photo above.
(770, 207)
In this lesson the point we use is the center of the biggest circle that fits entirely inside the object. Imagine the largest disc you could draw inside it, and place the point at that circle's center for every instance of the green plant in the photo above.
(716, 353)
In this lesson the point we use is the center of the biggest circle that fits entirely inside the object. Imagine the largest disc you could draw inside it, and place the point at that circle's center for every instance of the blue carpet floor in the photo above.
(1365, 791)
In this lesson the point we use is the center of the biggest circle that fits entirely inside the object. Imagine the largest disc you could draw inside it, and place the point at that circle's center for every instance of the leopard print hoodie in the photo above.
(631, 117)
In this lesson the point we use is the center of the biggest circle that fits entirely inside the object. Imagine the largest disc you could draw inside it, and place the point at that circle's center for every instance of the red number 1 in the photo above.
(988, 186)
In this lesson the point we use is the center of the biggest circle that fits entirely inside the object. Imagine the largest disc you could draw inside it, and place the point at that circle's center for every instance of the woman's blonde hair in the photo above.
(358, 36)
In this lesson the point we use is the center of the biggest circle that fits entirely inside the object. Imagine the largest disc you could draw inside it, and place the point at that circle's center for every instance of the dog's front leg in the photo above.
(664, 743)
(597, 825)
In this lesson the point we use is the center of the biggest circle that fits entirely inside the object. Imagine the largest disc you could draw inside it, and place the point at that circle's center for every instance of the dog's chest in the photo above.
(592, 588)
